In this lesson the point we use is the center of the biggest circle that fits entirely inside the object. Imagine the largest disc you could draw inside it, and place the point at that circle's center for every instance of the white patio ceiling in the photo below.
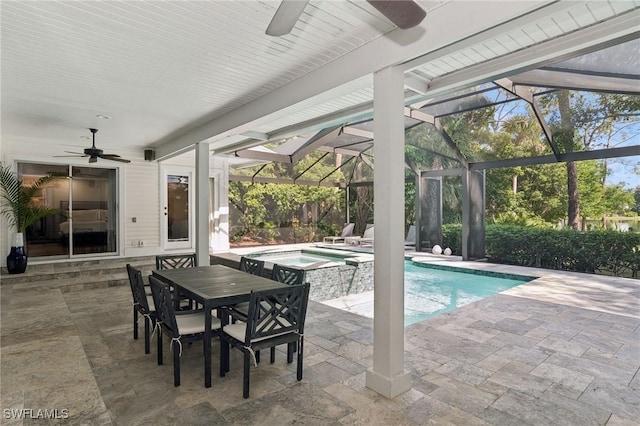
(171, 74)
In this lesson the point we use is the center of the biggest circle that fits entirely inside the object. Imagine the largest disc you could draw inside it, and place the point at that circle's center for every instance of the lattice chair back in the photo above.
(276, 312)
(131, 271)
(287, 275)
(163, 300)
(176, 261)
(251, 266)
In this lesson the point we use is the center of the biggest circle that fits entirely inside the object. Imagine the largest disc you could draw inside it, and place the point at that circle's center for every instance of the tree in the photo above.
(586, 121)
(260, 209)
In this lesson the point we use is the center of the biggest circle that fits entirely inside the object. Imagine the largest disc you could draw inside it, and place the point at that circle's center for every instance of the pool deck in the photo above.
(563, 349)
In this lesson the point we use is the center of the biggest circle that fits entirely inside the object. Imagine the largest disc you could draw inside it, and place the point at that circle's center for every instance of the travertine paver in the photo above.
(561, 350)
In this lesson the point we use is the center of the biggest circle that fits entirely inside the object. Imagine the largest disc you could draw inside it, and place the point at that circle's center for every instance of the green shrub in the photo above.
(595, 252)
(602, 251)
(452, 237)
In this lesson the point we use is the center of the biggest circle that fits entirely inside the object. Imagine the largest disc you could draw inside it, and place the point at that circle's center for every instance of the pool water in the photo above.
(430, 292)
(297, 258)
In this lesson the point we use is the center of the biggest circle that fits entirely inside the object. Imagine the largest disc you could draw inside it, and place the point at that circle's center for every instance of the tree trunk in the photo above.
(364, 196)
(574, 195)
(565, 138)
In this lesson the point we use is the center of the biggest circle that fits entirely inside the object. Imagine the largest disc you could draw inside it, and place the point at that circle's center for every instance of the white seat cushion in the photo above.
(194, 323)
(239, 330)
(242, 307)
(152, 306)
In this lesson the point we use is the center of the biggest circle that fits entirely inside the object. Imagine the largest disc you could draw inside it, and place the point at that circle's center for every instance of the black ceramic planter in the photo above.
(17, 260)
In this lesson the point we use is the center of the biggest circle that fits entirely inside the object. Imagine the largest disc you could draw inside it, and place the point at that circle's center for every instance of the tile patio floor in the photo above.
(561, 350)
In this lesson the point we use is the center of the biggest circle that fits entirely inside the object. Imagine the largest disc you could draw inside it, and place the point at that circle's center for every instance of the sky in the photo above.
(622, 170)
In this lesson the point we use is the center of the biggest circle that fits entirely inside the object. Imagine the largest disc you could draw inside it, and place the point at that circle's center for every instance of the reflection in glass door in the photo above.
(176, 211)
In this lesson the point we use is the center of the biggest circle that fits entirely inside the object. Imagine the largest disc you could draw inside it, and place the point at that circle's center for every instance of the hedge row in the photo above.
(601, 252)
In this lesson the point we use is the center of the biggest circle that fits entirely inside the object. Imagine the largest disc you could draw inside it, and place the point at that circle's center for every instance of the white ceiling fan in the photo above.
(403, 13)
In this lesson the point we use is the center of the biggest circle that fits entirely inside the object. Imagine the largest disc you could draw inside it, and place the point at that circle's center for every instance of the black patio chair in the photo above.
(275, 317)
(175, 261)
(143, 304)
(239, 311)
(181, 326)
(288, 275)
(251, 266)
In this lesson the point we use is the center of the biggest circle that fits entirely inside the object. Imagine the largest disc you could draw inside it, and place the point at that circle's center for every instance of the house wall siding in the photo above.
(139, 186)
(142, 202)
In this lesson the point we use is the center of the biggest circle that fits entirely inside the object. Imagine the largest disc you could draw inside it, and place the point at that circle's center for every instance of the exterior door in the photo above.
(177, 208)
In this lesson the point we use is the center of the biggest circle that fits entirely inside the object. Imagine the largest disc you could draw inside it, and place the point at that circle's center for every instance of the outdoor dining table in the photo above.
(214, 286)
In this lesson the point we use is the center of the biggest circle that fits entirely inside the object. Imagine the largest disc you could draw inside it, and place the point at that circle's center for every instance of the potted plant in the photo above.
(21, 212)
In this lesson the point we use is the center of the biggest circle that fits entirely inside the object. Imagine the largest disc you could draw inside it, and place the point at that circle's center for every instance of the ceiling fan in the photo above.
(404, 13)
(94, 153)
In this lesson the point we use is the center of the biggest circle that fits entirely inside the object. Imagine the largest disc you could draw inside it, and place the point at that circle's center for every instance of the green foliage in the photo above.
(452, 237)
(18, 207)
(603, 252)
(600, 252)
(636, 197)
(618, 201)
(522, 196)
(260, 210)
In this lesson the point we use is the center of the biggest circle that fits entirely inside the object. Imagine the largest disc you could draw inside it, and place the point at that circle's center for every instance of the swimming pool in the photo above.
(431, 290)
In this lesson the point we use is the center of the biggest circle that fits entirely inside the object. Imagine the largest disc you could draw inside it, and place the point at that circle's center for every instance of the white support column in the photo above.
(388, 376)
(219, 237)
(202, 203)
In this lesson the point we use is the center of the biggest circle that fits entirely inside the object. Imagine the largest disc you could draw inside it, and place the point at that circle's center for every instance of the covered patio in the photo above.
(516, 358)
(562, 349)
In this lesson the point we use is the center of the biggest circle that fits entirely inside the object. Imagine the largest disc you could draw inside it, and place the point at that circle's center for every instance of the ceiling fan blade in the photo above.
(404, 13)
(286, 17)
(69, 156)
(114, 157)
(72, 152)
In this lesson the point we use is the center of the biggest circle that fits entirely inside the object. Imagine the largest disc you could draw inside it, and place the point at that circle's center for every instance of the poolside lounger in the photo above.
(365, 240)
(410, 240)
(347, 231)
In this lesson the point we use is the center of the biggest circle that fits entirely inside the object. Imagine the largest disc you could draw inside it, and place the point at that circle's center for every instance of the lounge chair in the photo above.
(347, 231)
(365, 240)
(410, 240)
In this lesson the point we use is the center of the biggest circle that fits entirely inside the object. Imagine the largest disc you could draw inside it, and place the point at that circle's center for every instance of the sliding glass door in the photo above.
(88, 199)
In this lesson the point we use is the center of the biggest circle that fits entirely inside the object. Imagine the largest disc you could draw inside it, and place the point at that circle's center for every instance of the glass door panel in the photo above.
(44, 238)
(93, 211)
(177, 214)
